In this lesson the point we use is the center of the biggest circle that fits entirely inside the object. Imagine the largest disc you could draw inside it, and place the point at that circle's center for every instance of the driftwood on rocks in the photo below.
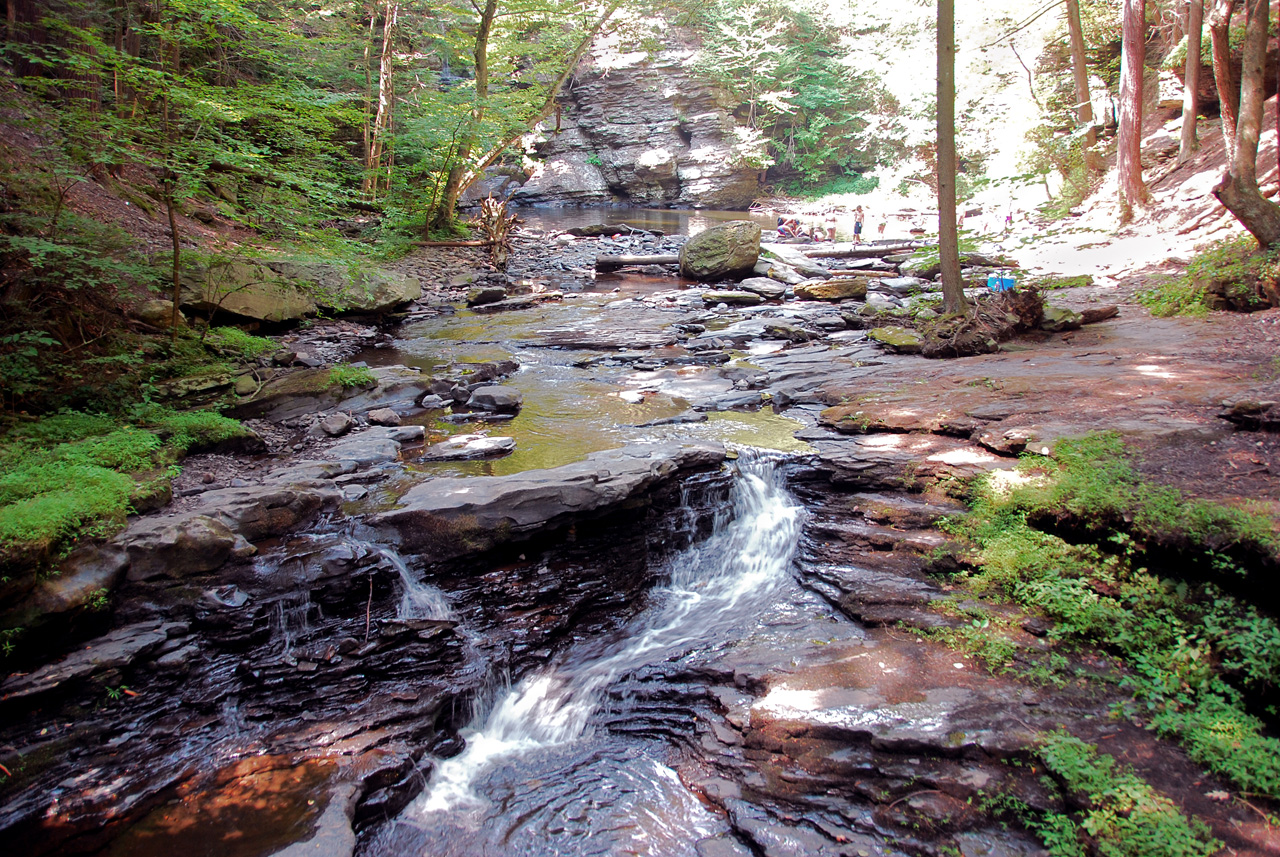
(613, 263)
(863, 251)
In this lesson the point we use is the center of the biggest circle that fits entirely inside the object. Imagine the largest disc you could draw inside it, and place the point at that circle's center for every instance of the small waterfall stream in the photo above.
(534, 765)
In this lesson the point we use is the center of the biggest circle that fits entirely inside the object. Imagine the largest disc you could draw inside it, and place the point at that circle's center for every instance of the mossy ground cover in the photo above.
(72, 474)
(1155, 579)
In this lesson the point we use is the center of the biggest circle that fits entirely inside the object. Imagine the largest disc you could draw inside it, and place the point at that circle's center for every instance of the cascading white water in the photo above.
(714, 586)
(419, 600)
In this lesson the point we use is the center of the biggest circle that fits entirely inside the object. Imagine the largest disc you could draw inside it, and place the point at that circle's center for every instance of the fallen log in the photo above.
(862, 272)
(613, 263)
(863, 251)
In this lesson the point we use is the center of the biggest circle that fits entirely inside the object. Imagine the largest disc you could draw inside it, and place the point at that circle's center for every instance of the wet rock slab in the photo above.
(454, 516)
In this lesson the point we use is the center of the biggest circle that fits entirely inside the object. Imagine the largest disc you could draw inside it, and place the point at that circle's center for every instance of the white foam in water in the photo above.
(714, 585)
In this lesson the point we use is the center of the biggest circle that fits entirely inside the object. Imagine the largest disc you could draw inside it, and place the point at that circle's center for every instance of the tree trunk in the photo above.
(948, 241)
(386, 95)
(1238, 190)
(1080, 72)
(454, 184)
(1133, 191)
(1189, 142)
(1228, 92)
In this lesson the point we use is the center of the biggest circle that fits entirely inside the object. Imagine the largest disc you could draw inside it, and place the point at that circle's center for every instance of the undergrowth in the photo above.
(1195, 653)
(347, 376)
(1228, 274)
(1121, 815)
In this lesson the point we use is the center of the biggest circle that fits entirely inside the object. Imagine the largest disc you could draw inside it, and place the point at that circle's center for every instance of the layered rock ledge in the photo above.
(450, 517)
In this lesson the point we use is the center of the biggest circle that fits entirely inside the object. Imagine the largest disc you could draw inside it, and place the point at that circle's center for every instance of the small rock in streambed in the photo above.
(384, 417)
(468, 446)
(336, 425)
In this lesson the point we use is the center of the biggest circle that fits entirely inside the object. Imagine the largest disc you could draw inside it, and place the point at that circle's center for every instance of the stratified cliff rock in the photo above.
(640, 129)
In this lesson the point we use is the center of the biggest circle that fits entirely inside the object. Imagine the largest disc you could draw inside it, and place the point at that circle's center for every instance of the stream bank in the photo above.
(300, 675)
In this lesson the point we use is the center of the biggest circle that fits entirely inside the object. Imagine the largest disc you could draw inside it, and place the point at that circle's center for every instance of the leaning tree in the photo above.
(1238, 190)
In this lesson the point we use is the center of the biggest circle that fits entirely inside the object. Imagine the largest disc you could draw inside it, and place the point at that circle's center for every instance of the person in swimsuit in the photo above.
(858, 217)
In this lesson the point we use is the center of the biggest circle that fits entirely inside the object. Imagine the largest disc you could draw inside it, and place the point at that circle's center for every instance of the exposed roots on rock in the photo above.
(985, 326)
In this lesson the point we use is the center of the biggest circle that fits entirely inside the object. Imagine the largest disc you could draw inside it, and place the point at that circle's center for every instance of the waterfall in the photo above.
(419, 600)
(713, 587)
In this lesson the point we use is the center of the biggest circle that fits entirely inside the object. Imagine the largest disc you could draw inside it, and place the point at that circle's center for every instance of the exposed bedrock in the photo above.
(645, 131)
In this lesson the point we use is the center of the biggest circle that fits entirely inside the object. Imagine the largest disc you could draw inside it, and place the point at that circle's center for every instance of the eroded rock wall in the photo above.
(644, 130)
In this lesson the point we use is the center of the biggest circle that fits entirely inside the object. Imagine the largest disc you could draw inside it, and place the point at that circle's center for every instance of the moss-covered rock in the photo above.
(852, 288)
(1057, 319)
(900, 339)
(733, 298)
(728, 250)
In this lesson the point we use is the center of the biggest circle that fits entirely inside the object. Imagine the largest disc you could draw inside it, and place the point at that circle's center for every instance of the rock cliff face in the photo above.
(640, 129)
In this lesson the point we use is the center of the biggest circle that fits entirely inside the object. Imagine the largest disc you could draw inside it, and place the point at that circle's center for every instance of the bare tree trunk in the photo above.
(367, 129)
(169, 179)
(1228, 92)
(948, 241)
(386, 95)
(1189, 142)
(1238, 190)
(1080, 72)
(454, 185)
(461, 176)
(1133, 191)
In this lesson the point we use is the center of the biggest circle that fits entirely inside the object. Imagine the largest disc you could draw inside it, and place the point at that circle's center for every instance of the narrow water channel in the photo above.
(539, 774)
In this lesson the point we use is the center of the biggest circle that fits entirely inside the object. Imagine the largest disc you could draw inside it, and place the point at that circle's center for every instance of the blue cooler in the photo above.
(1001, 281)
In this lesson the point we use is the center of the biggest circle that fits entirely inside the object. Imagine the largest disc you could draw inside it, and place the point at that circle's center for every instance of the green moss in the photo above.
(73, 475)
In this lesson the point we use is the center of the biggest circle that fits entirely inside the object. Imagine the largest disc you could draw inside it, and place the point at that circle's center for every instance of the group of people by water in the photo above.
(823, 228)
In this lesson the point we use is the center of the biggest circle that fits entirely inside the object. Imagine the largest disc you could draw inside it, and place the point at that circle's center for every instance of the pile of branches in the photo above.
(495, 222)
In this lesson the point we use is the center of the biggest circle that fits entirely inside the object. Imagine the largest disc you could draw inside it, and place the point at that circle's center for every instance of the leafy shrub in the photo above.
(193, 429)
(73, 474)
(238, 344)
(348, 376)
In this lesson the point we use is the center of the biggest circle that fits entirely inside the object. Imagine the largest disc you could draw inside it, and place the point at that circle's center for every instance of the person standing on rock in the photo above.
(858, 217)
(831, 227)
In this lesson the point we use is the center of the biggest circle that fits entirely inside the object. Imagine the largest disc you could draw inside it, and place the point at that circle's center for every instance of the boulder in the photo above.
(852, 288)
(903, 340)
(1057, 319)
(346, 289)
(245, 289)
(779, 271)
(384, 417)
(766, 287)
(157, 313)
(497, 398)
(1093, 315)
(464, 447)
(176, 548)
(450, 517)
(486, 295)
(375, 445)
(903, 285)
(728, 250)
(336, 425)
(732, 298)
(924, 268)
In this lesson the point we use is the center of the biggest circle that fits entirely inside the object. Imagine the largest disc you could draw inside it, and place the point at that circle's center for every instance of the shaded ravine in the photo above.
(537, 768)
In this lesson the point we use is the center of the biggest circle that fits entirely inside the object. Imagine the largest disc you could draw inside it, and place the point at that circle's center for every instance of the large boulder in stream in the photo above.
(728, 250)
(450, 517)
